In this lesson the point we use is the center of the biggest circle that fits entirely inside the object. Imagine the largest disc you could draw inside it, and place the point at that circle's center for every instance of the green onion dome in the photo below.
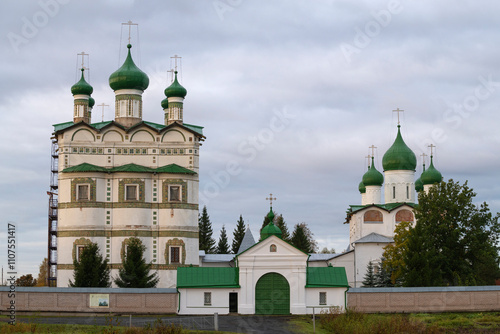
(129, 76)
(373, 177)
(362, 188)
(270, 229)
(175, 89)
(164, 103)
(419, 186)
(82, 87)
(431, 175)
(399, 156)
(91, 102)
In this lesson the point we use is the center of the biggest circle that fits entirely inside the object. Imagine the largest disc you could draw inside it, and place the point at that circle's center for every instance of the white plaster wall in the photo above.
(192, 301)
(373, 195)
(400, 179)
(346, 261)
(334, 298)
(364, 253)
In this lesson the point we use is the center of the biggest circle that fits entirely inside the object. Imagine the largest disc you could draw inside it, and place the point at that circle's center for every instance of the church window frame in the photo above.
(393, 192)
(175, 254)
(79, 251)
(322, 298)
(131, 192)
(83, 192)
(174, 193)
(407, 192)
(207, 298)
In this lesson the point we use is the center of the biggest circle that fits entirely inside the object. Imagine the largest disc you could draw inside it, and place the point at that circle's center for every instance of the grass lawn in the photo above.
(482, 322)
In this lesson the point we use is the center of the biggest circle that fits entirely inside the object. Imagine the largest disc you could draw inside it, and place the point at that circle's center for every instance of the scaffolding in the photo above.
(52, 228)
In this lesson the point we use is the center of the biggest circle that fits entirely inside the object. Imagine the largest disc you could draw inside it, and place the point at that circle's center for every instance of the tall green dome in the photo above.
(373, 177)
(399, 156)
(431, 175)
(82, 87)
(175, 89)
(129, 76)
(270, 229)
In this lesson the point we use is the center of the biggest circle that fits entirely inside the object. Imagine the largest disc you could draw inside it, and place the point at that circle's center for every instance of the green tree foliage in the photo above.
(26, 280)
(238, 234)
(454, 242)
(42, 273)
(223, 245)
(393, 253)
(301, 238)
(383, 276)
(280, 222)
(325, 250)
(206, 242)
(135, 272)
(91, 269)
(369, 279)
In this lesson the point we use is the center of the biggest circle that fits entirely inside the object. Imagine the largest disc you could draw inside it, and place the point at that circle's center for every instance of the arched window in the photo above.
(404, 216)
(373, 216)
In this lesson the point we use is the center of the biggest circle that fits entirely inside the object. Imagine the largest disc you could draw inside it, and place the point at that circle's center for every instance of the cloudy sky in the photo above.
(291, 95)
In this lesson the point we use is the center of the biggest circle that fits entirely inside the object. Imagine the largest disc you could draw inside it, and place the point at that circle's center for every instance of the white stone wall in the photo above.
(364, 253)
(400, 180)
(334, 298)
(192, 300)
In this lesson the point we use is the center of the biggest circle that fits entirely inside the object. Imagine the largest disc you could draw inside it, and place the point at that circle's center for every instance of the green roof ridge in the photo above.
(208, 277)
(129, 168)
(399, 156)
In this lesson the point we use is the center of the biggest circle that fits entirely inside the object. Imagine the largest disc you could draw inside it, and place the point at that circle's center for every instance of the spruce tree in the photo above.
(135, 272)
(223, 245)
(383, 276)
(369, 279)
(206, 242)
(300, 240)
(280, 222)
(91, 269)
(238, 234)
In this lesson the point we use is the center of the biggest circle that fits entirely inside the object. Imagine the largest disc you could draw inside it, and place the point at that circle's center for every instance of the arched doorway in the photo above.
(272, 295)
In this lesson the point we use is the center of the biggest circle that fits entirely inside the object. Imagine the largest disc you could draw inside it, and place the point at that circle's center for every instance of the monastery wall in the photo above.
(430, 299)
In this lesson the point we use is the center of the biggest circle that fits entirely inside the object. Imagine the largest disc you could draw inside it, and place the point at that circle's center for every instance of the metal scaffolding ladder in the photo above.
(52, 230)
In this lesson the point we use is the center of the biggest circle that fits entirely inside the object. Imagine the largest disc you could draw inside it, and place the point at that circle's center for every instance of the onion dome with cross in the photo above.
(431, 175)
(399, 156)
(128, 76)
(175, 89)
(373, 177)
(82, 87)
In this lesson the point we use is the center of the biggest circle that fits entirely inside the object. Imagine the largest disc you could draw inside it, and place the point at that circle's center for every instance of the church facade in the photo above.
(372, 223)
(128, 177)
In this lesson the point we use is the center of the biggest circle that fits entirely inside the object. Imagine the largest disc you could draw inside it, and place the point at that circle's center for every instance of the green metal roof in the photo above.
(175, 89)
(208, 277)
(326, 277)
(387, 207)
(399, 156)
(128, 76)
(132, 168)
(85, 167)
(62, 126)
(174, 169)
(129, 168)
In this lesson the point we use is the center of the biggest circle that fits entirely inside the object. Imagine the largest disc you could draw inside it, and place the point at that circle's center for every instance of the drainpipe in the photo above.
(307, 267)
(345, 298)
(179, 303)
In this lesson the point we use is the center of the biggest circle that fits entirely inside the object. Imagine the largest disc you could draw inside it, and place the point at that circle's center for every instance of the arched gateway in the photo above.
(272, 295)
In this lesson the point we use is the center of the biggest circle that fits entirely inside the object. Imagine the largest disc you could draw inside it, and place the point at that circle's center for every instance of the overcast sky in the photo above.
(291, 95)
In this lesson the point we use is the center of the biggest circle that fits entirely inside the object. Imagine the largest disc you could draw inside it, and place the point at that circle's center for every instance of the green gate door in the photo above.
(272, 295)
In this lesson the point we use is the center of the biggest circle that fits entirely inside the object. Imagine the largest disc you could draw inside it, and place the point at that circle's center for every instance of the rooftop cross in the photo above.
(398, 111)
(368, 159)
(130, 24)
(175, 60)
(103, 105)
(271, 199)
(83, 54)
(373, 147)
(171, 71)
(423, 155)
(431, 146)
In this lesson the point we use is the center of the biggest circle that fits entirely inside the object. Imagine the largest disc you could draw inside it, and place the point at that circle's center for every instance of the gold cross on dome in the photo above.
(83, 54)
(175, 60)
(373, 147)
(271, 199)
(431, 146)
(423, 155)
(129, 24)
(368, 159)
(398, 111)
